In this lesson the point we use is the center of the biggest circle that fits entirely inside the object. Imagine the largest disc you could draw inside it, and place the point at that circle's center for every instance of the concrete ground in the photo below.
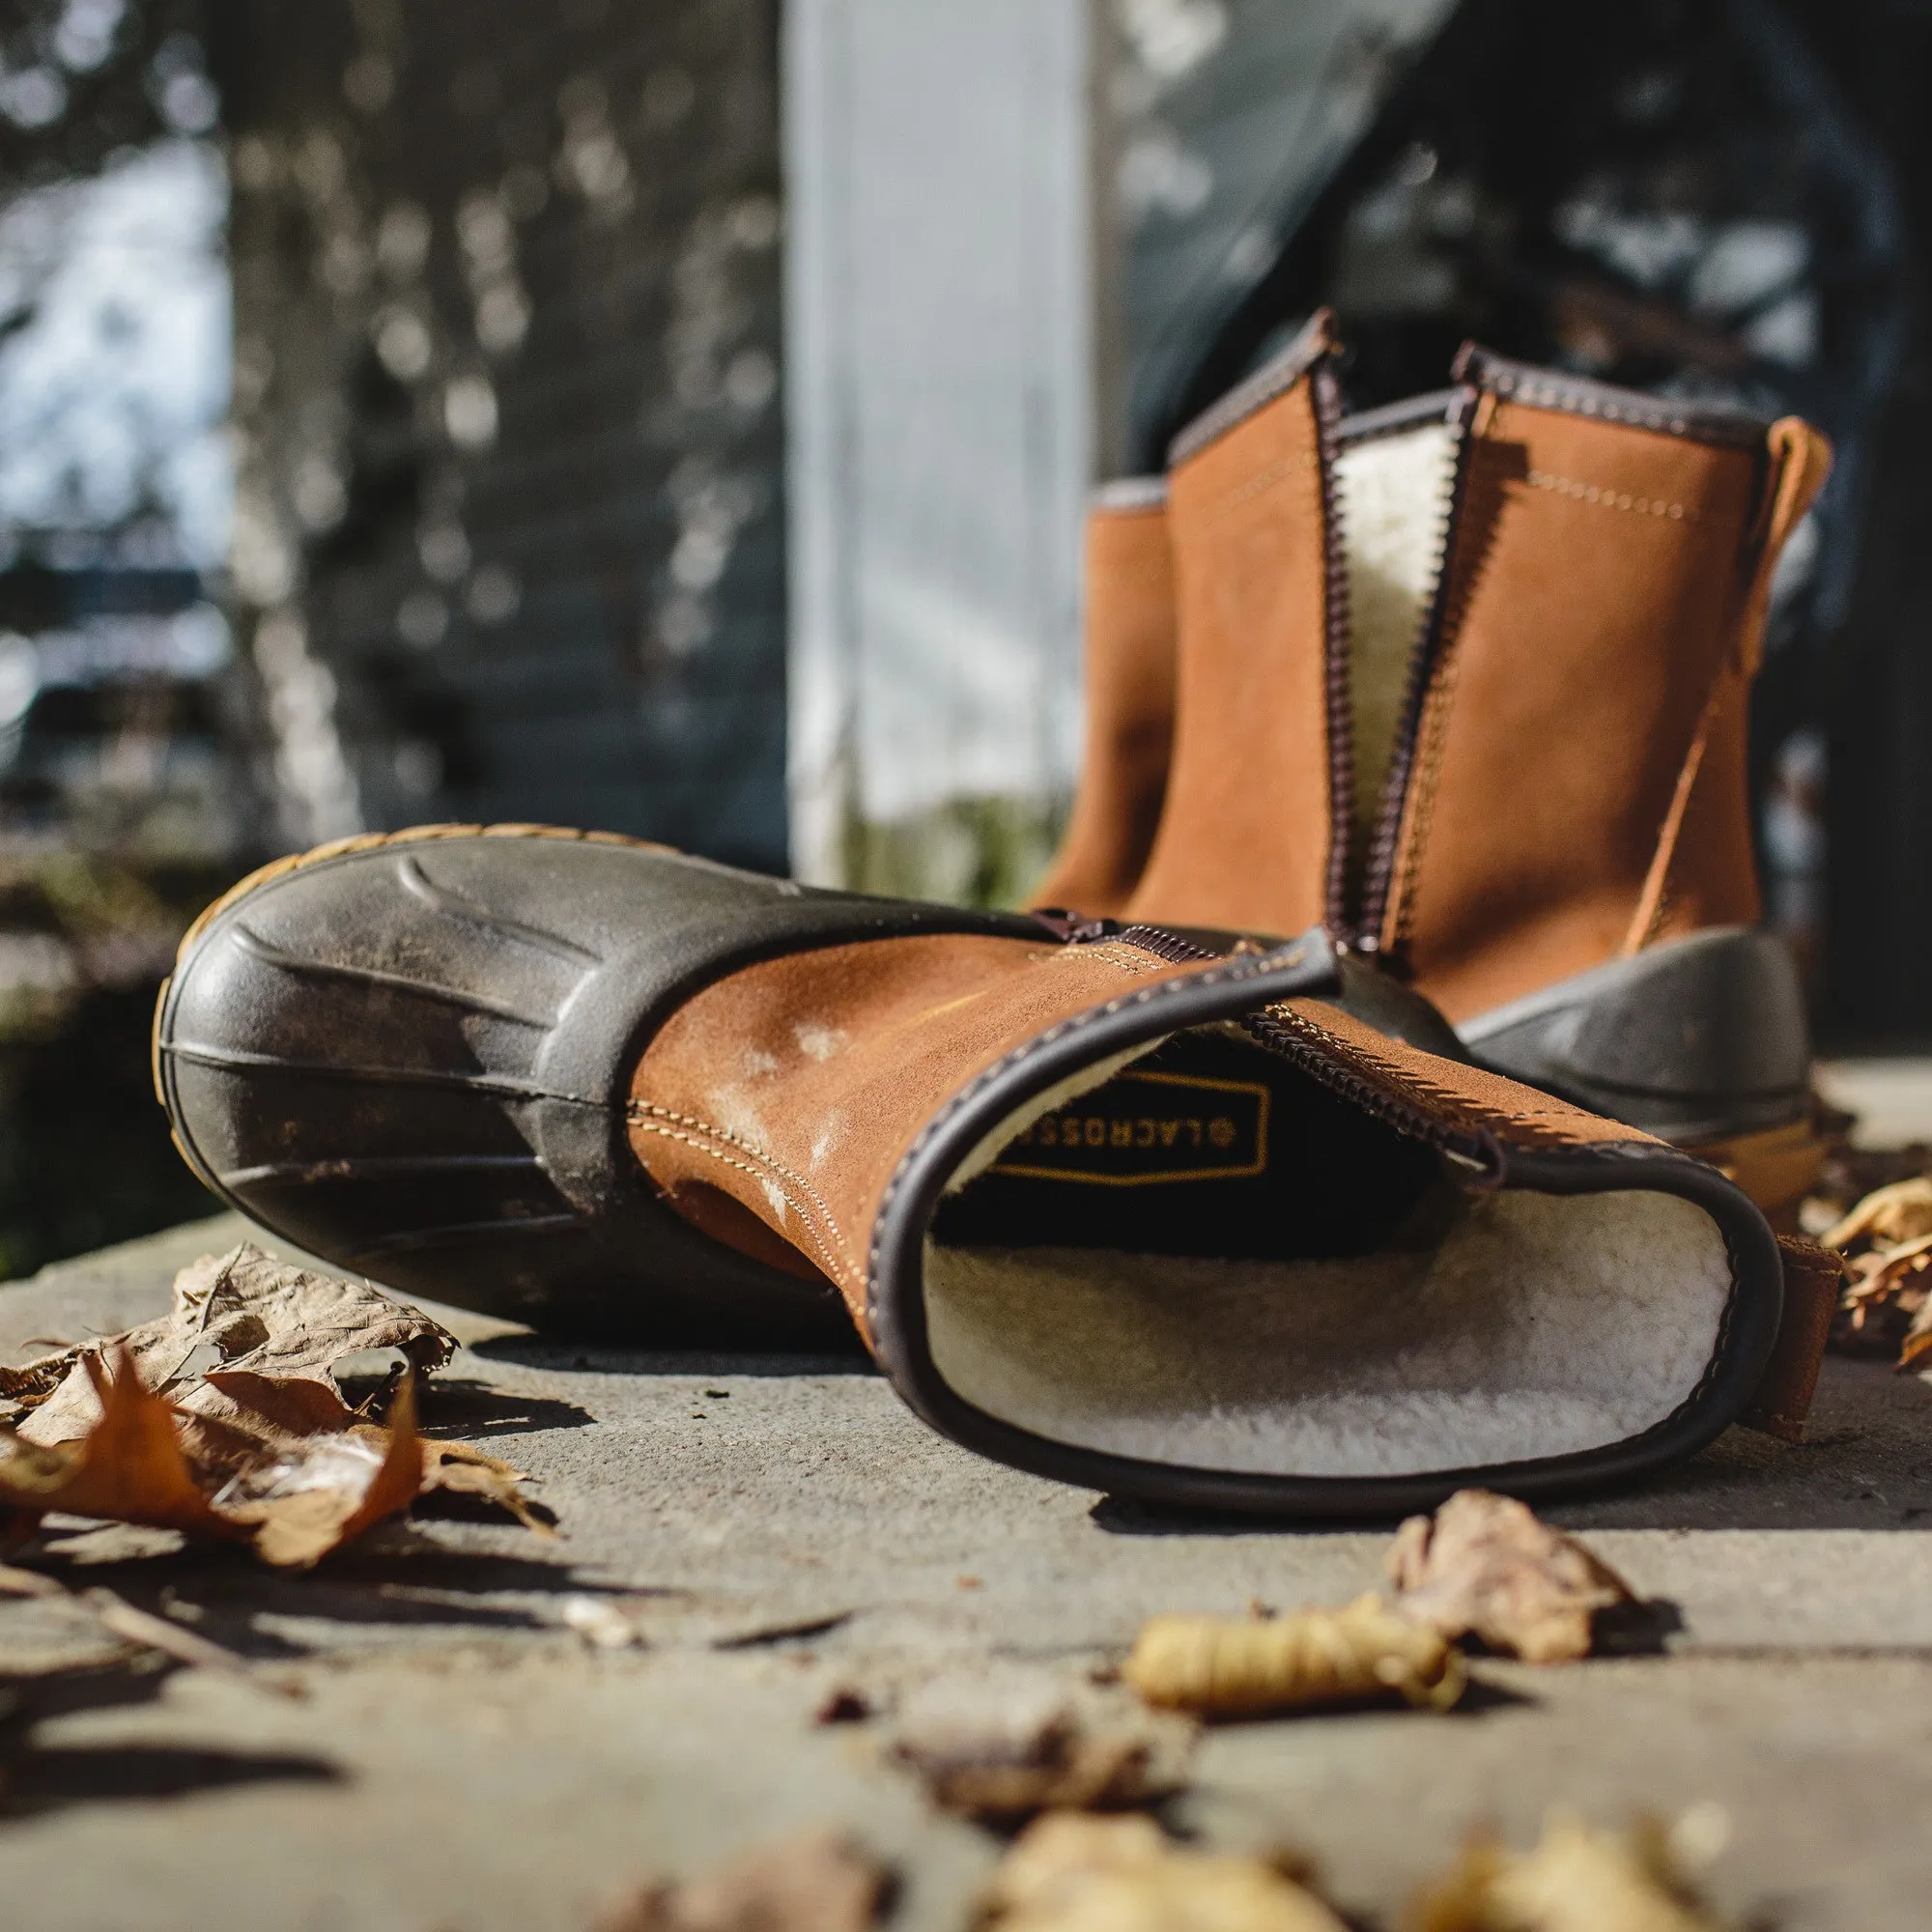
(462, 1760)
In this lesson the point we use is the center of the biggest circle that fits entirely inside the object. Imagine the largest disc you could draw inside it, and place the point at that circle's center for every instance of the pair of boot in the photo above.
(1467, 681)
(1199, 1202)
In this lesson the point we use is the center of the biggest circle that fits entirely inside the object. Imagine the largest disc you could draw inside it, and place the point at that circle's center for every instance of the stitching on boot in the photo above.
(1258, 484)
(836, 1264)
(1612, 500)
(640, 1110)
(1524, 1126)
(369, 841)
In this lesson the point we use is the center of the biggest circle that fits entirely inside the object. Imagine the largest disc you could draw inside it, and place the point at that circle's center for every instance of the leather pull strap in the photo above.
(1812, 1279)
(1801, 460)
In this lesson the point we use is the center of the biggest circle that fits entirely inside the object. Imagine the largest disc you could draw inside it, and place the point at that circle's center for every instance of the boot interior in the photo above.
(1393, 497)
(1204, 1257)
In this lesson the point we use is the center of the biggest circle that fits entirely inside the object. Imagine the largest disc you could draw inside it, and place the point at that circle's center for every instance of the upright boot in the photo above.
(1128, 702)
(1262, 743)
(1468, 679)
(1126, 1211)
(1563, 859)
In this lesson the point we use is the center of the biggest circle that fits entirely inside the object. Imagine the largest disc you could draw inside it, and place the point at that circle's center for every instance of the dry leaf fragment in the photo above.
(251, 1479)
(1575, 1881)
(1900, 1212)
(1223, 1667)
(1068, 1873)
(237, 1312)
(222, 1419)
(1000, 1747)
(129, 1468)
(818, 1882)
(1485, 1565)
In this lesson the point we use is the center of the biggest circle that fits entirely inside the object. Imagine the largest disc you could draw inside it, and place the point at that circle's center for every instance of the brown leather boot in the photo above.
(1262, 743)
(1123, 1210)
(1130, 702)
(1567, 785)
(1563, 861)
(1468, 679)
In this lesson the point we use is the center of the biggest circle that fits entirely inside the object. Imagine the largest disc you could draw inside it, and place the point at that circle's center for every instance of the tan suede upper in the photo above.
(1244, 840)
(1129, 711)
(1578, 780)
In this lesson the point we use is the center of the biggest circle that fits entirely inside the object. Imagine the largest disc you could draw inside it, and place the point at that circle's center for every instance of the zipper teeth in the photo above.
(1156, 939)
(1421, 669)
(1325, 393)
(1475, 1147)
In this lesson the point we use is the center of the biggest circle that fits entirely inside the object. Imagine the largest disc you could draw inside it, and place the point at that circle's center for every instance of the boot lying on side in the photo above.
(1118, 1209)
(1467, 679)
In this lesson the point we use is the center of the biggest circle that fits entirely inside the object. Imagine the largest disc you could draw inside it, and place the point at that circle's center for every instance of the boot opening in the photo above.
(1204, 1257)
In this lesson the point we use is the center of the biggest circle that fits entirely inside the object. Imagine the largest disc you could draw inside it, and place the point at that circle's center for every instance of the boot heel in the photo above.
(1702, 1042)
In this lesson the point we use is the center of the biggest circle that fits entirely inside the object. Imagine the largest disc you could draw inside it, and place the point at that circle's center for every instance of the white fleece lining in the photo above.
(1393, 495)
(1541, 1325)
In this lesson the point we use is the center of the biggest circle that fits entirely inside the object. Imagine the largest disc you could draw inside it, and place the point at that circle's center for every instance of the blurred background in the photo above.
(678, 419)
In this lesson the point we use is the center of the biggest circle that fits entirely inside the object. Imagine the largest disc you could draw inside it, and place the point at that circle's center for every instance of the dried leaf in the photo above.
(1575, 1881)
(1001, 1746)
(1068, 1873)
(222, 1419)
(237, 1312)
(129, 1468)
(328, 1489)
(818, 1882)
(1223, 1667)
(458, 1469)
(1483, 1565)
(1900, 1212)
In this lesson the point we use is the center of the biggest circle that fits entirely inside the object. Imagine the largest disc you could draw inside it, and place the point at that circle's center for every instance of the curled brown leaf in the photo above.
(1227, 1667)
(819, 1881)
(1576, 1879)
(1001, 1748)
(1068, 1873)
(1485, 1566)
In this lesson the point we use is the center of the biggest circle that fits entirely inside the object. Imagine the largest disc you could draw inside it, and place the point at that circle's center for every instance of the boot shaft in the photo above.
(1261, 742)
(1568, 783)
(1130, 702)
(1468, 679)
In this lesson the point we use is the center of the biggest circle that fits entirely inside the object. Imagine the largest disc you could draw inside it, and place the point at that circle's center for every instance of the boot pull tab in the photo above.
(1800, 461)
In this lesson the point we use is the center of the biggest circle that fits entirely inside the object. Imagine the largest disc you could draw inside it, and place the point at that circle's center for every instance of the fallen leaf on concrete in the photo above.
(237, 1312)
(292, 1498)
(294, 1479)
(1001, 1746)
(1485, 1566)
(1885, 1305)
(1224, 1667)
(1576, 1879)
(222, 1418)
(1900, 1212)
(816, 1882)
(1079, 1874)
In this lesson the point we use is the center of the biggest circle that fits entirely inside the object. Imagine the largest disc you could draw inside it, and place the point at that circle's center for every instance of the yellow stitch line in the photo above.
(1259, 482)
(1120, 959)
(637, 1109)
(1612, 500)
(1417, 1086)
(835, 1262)
(368, 841)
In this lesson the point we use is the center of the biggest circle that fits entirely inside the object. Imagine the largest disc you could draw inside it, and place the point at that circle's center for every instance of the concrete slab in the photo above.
(463, 1760)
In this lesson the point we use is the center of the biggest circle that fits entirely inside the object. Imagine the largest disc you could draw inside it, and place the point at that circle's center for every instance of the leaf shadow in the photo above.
(36, 1778)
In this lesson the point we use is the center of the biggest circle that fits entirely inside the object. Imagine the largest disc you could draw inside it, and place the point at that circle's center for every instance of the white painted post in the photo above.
(939, 377)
